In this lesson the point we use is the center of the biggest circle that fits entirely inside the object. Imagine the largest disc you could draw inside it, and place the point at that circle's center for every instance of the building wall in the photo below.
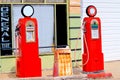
(47, 60)
(8, 63)
(11, 1)
(34, 1)
(74, 29)
(75, 7)
(109, 13)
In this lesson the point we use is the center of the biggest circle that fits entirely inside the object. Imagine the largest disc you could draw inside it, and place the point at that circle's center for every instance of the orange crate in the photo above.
(62, 62)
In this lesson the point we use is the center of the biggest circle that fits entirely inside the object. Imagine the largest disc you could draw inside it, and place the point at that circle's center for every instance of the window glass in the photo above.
(45, 18)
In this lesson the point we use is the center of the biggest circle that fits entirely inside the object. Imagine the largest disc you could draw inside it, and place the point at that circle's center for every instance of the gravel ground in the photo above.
(112, 67)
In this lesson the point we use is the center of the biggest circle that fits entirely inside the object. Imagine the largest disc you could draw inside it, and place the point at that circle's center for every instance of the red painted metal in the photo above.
(99, 75)
(93, 58)
(28, 62)
(94, 45)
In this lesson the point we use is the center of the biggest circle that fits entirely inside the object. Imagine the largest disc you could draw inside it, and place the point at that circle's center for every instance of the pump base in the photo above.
(31, 68)
(95, 72)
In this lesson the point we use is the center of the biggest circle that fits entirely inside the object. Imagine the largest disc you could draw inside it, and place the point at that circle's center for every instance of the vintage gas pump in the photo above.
(92, 56)
(28, 62)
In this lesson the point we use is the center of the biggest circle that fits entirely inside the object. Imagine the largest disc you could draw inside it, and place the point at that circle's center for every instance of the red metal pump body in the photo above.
(92, 57)
(28, 62)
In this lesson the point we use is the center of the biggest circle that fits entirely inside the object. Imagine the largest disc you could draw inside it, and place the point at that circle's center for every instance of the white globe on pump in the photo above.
(91, 11)
(27, 10)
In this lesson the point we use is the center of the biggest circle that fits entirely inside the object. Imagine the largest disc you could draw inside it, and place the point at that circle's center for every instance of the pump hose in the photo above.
(76, 46)
(17, 36)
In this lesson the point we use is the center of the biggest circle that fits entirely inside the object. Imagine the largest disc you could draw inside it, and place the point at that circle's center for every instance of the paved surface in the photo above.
(113, 67)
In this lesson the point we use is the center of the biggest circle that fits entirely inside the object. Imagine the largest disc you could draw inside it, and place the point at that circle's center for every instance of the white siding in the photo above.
(109, 13)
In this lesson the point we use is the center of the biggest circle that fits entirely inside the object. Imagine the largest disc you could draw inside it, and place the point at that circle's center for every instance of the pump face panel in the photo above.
(94, 29)
(30, 31)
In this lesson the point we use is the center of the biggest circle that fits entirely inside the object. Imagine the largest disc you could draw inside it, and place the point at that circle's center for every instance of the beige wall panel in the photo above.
(10, 1)
(55, 1)
(74, 6)
(75, 2)
(74, 10)
(34, 1)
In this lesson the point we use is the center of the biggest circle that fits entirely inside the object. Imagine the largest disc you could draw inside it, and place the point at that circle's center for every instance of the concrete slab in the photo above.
(112, 66)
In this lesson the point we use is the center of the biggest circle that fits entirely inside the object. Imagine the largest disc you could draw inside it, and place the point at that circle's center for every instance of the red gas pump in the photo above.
(92, 56)
(28, 62)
